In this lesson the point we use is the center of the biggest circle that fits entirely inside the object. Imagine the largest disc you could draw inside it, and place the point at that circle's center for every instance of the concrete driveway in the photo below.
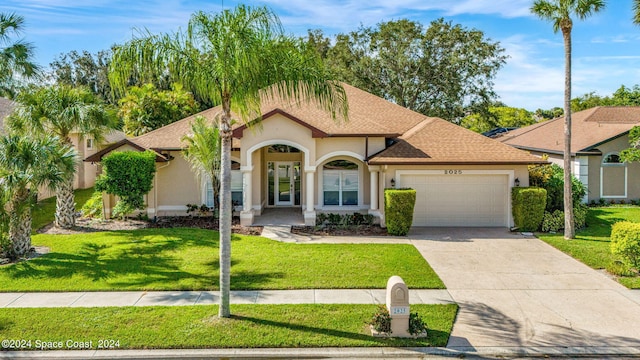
(516, 290)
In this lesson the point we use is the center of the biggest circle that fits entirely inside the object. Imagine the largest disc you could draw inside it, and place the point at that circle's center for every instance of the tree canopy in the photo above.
(498, 116)
(624, 96)
(443, 70)
(16, 56)
(146, 108)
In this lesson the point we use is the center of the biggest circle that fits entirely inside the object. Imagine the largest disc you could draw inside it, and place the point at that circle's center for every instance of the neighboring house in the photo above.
(597, 137)
(301, 158)
(6, 108)
(86, 172)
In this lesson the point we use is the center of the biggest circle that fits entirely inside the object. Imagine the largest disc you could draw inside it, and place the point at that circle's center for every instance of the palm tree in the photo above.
(560, 13)
(15, 56)
(27, 163)
(61, 110)
(232, 58)
(636, 12)
(203, 153)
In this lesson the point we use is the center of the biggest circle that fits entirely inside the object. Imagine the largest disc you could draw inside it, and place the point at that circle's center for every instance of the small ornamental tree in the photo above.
(128, 175)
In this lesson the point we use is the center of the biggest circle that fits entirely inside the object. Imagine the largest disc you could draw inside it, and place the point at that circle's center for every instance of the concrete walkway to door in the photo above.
(516, 290)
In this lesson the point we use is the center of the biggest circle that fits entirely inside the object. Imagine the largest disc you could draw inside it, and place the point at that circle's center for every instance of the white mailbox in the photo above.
(398, 306)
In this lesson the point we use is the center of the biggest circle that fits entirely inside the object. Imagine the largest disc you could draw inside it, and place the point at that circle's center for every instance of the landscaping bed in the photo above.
(84, 225)
(183, 327)
(356, 230)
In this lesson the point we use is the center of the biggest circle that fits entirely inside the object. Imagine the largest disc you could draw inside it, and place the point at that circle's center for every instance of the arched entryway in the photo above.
(274, 178)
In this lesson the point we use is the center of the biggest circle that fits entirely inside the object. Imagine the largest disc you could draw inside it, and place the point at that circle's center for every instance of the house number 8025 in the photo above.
(453, 172)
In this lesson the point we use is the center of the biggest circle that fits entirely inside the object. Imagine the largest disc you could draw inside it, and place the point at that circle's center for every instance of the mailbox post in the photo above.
(398, 306)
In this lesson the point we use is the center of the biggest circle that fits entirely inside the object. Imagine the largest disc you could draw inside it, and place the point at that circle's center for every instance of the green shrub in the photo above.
(128, 175)
(551, 178)
(398, 210)
(417, 326)
(552, 222)
(381, 321)
(625, 242)
(355, 219)
(92, 208)
(580, 215)
(528, 207)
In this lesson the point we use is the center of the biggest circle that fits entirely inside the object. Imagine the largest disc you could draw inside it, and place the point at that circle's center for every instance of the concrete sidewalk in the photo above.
(182, 298)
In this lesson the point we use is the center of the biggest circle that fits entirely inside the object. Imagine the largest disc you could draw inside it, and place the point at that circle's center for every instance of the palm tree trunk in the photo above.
(65, 205)
(569, 228)
(225, 210)
(20, 224)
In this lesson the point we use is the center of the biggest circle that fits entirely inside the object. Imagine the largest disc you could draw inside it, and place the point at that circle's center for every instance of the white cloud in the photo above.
(529, 80)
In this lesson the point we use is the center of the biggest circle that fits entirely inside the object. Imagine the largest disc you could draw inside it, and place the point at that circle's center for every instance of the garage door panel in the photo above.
(459, 200)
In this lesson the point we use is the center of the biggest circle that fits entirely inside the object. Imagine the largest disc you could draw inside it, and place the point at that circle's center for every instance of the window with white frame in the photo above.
(613, 177)
(612, 159)
(340, 183)
(236, 187)
(89, 144)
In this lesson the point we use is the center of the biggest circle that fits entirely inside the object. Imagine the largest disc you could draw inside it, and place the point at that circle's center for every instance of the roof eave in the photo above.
(527, 162)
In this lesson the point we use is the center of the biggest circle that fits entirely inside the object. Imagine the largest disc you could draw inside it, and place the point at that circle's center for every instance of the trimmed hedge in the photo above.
(625, 242)
(528, 204)
(398, 210)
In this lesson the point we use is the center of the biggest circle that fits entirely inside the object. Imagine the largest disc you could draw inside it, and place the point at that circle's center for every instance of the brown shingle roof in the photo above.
(368, 115)
(436, 141)
(589, 128)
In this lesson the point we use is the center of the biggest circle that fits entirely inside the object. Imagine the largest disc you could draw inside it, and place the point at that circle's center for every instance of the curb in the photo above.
(335, 353)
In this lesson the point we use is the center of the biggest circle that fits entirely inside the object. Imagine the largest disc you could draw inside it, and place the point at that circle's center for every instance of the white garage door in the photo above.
(459, 200)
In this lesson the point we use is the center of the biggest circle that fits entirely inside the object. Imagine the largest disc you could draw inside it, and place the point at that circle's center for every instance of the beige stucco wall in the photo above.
(176, 186)
(633, 172)
(343, 145)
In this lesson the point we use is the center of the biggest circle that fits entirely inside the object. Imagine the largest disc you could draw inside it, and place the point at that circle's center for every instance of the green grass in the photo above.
(251, 326)
(187, 259)
(44, 211)
(592, 244)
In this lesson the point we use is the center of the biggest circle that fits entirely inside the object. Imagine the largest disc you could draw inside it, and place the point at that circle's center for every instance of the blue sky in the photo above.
(606, 46)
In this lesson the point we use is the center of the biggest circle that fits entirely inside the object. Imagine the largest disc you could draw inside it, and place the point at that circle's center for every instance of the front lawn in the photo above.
(251, 326)
(44, 212)
(187, 259)
(592, 244)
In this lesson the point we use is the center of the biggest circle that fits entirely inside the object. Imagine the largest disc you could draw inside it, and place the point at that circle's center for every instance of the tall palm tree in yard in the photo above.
(560, 14)
(15, 56)
(231, 58)
(61, 110)
(203, 153)
(27, 163)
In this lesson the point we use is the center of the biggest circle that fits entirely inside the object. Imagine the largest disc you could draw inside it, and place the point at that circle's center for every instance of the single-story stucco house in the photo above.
(597, 137)
(301, 158)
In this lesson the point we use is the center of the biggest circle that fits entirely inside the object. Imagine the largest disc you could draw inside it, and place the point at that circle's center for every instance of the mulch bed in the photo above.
(85, 225)
(357, 230)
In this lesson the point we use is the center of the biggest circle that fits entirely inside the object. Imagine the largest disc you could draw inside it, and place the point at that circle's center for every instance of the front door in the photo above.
(284, 189)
